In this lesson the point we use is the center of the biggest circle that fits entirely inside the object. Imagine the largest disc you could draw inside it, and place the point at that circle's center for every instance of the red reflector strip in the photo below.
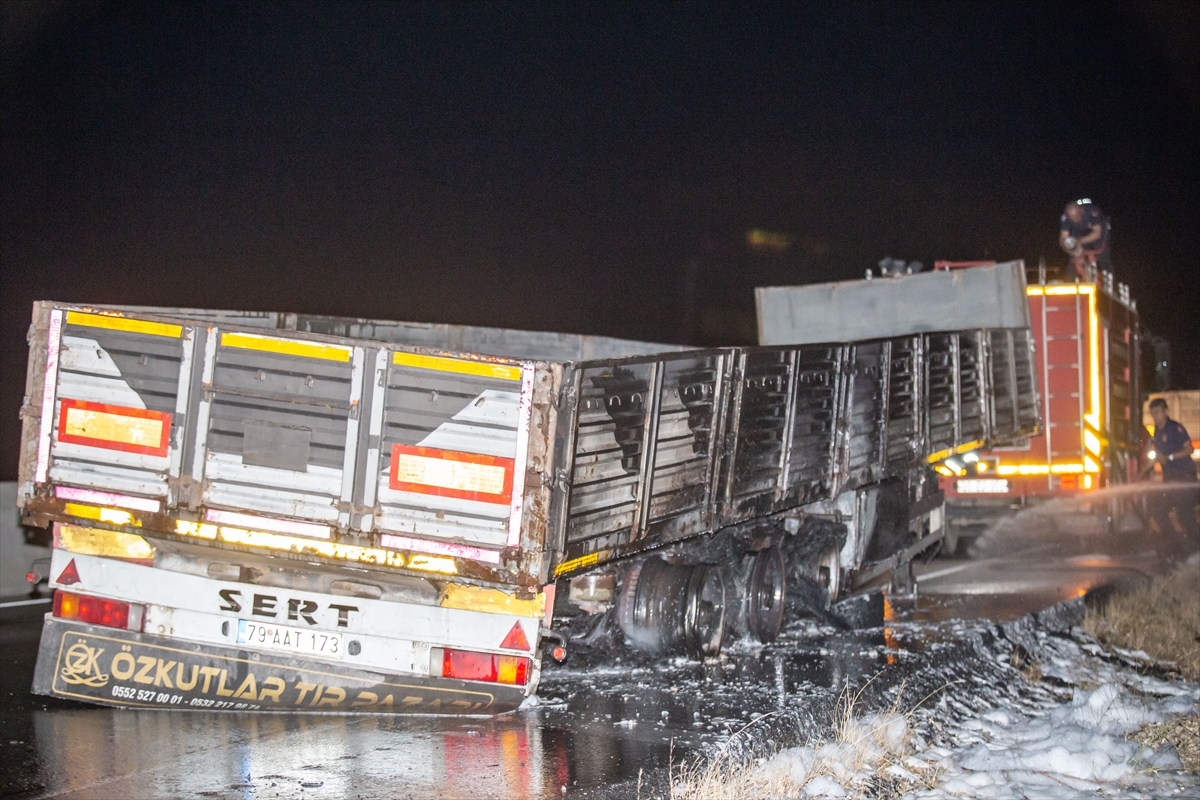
(467, 666)
(449, 473)
(110, 613)
(133, 430)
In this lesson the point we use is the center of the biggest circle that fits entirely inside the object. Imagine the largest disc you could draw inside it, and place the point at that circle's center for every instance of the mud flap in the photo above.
(115, 667)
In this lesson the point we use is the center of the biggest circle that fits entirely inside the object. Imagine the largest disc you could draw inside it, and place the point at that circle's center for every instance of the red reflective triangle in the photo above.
(69, 575)
(516, 639)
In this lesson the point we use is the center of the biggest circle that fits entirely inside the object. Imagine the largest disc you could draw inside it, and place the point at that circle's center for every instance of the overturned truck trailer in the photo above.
(275, 511)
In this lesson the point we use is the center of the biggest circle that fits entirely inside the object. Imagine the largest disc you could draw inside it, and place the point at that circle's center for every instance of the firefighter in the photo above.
(1084, 233)
(1173, 453)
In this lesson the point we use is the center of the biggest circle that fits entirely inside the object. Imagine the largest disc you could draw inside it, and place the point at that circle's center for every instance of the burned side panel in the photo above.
(815, 414)
(862, 439)
(757, 433)
(905, 385)
(643, 449)
(610, 448)
(685, 437)
(1028, 399)
(941, 384)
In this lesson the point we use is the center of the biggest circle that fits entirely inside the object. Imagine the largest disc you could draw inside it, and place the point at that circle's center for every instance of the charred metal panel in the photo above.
(903, 445)
(757, 434)
(814, 422)
(866, 399)
(1024, 368)
(972, 396)
(941, 382)
(1005, 421)
(613, 412)
(689, 401)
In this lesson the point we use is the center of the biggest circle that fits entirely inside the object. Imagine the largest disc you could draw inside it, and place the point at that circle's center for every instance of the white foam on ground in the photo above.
(1055, 743)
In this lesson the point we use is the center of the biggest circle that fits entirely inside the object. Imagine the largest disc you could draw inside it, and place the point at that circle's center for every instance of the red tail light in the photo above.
(110, 613)
(468, 666)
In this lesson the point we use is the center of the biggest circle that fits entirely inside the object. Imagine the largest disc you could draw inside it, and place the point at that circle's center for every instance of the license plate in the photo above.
(289, 640)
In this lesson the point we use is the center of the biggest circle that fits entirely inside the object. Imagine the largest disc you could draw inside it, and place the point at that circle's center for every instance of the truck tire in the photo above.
(680, 608)
(766, 593)
(829, 573)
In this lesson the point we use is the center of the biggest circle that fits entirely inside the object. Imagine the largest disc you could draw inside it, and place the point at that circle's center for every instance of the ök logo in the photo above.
(81, 665)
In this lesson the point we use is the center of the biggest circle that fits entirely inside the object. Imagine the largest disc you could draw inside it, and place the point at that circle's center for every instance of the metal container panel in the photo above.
(282, 426)
(609, 458)
(757, 432)
(118, 385)
(848, 311)
(905, 384)
(446, 408)
(815, 415)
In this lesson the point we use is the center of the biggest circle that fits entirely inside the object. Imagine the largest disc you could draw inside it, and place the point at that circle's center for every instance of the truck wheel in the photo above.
(766, 592)
(829, 573)
(673, 607)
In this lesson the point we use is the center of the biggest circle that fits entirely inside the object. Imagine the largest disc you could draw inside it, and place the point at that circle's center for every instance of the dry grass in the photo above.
(1162, 620)
(1029, 667)
(866, 757)
(1182, 733)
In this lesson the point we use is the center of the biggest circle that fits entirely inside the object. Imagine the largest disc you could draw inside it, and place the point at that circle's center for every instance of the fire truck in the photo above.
(1087, 359)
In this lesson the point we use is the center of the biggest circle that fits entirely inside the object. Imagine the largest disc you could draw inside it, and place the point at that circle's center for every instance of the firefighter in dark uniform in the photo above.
(1173, 453)
(1084, 233)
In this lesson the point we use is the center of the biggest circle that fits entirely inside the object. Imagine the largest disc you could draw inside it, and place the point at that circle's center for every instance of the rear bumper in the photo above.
(113, 667)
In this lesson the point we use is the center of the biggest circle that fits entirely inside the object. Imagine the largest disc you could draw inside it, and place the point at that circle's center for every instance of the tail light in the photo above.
(468, 666)
(97, 611)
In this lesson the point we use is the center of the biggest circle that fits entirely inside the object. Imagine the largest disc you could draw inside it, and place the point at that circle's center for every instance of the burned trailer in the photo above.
(705, 489)
(259, 511)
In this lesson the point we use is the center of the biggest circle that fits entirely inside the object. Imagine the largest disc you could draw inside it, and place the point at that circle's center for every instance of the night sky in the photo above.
(592, 169)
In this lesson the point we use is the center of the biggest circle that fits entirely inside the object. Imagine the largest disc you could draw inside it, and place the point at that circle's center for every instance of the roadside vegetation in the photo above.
(869, 756)
(1161, 620)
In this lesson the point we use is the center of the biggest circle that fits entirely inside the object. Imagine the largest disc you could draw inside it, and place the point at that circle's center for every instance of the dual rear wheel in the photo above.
(681, 608)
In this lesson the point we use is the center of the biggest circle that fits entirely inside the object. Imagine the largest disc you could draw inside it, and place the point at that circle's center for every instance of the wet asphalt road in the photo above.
(598, 726)
(595, 726)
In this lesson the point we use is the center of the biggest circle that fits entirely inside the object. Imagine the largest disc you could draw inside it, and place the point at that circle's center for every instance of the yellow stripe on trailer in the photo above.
(939, 455)
(579, 563)
(486, 369)
(113, 516)
(491, 601)
(113, 323)
(110, 544)
(287, 347)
